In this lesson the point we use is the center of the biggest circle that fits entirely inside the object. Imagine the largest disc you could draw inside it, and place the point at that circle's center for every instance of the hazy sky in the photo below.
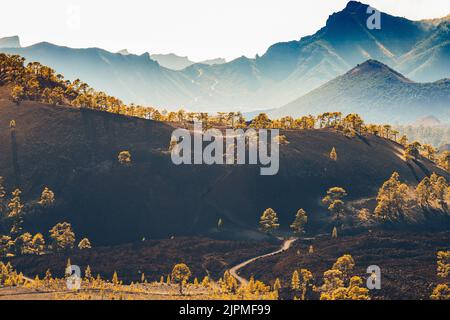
(200, 29)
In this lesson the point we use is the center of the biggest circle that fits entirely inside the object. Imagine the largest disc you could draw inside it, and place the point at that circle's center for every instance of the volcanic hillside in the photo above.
(74, 153)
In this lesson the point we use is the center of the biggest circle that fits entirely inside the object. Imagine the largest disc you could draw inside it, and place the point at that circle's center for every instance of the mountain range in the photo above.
(420, 50)
(10, 42)
(378, 93)
(175, 62)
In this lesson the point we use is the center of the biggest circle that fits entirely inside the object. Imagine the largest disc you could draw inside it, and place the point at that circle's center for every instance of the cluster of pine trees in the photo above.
(37, 82)
(268, 221)
(226, 288)
(338, 284)
(18, 242)
(442, 290)
(398, 202)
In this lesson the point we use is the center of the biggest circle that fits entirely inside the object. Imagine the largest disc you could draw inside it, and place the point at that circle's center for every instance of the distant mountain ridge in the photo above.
(379, 94)
(10, 42)
(418, 49)
(175, 62)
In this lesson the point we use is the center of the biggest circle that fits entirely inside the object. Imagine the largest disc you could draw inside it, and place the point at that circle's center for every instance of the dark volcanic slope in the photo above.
(153, 257)
(407, 261)
(74, 152)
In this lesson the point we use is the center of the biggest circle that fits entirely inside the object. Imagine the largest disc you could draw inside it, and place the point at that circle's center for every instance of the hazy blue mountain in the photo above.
(429, 59)
(172, 61)
(428, 121)
(418, 49)
(214, 61)
(378, 93)
(175, 62)
(123, 52)
(130, 77)
(10, 42)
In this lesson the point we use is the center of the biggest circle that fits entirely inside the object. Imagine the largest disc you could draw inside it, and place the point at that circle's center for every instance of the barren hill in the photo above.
(74, 153)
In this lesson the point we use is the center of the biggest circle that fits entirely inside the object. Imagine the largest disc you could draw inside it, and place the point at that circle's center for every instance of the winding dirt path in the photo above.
(242, 281)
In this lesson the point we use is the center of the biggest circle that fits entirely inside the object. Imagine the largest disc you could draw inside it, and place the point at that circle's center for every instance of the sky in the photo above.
(199, 29)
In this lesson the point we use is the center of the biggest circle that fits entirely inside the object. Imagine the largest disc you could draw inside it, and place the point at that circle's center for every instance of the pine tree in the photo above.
(429, 152)
(205, 282)
(2, 195)
(6, 243)
(441, 292)
(439, 191)
(403, 141)
(334, 201)
(38, 244)
(298, 226)
(334, 234)
(261, 121)
(355, 291)
(230, 283)
(443, 262)
(15, 205)
(25, 241)
(269, 221)
(181, 274)
(88, 274)
(392, 199)
(333, 154)
(306, 277)
(423, 192)
(124, 157)
(47, 197)
(295, 283)
(143, 277)
(333, 280)
(412, 151)
(311, 249)
(444, 160)
(16, 228)
(364, 216)
(17, 94)
(48, 275)
(84, 244)
(344, 264)
(115, 279)
(63, 236)
(277, 285)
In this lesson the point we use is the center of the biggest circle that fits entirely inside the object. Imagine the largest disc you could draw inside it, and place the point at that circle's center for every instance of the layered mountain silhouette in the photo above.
(10, 42)
(418, 49)
(175, 62)
(378, 93)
